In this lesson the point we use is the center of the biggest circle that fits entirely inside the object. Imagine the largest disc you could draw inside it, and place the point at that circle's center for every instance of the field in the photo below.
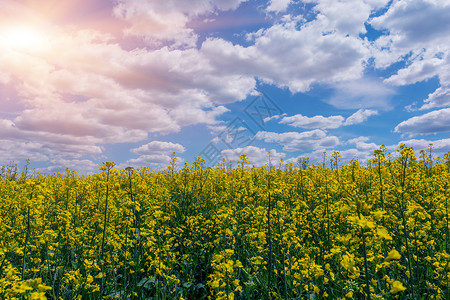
(322, 231)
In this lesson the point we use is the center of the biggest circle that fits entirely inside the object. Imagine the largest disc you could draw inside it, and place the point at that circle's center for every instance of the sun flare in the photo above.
(22, 38)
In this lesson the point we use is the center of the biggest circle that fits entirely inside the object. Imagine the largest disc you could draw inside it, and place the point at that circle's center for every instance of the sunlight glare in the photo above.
(22, 38)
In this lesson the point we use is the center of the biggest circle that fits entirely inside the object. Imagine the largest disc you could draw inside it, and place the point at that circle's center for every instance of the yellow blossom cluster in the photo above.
(378, 230)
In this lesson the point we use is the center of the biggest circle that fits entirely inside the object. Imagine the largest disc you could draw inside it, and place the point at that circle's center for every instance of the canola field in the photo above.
(321, 231)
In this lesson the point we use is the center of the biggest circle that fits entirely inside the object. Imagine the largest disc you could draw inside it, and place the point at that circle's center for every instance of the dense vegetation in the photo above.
(378, 231)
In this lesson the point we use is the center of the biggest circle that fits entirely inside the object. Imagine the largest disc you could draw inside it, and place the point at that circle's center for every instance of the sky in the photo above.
(132, 81)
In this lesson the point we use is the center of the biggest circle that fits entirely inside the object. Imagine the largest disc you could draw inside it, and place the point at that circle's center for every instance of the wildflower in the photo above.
(383, 233)
(393, 254)
(396, 287)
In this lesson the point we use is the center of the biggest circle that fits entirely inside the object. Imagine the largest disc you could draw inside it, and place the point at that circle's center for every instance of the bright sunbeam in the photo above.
(22, 38)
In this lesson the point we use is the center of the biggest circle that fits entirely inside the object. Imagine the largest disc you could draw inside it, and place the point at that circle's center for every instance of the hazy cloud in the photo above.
(313, 122)
(257, 156)
(300, 141)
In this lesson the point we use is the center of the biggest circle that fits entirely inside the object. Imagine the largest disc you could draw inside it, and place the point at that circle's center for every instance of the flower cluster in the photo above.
(373, 231)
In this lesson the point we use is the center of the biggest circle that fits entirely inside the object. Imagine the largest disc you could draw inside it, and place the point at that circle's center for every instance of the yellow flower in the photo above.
(347, 262)
(393, 255)
(383, 233)
(316, 289)
(378, 214)
(238, 264)
(396, 287)
(37, 296)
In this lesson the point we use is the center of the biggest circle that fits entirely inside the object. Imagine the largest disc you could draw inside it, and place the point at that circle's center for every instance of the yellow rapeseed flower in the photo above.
(393, 254)
(397, 287)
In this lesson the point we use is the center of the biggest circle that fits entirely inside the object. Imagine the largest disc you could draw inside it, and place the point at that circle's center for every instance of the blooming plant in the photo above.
(373, 231)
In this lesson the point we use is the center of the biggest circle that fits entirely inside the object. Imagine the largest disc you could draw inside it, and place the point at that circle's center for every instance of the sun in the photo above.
(22, 38)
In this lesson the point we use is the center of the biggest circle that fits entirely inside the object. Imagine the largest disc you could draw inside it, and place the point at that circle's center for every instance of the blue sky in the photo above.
(82, 82)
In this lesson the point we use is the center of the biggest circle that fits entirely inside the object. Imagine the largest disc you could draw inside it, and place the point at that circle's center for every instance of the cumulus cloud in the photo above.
(157, 147)
(158, 162)
(291, 58)
(278, 5)
(300, 141)
(347, 17)
(346, 156)
(331, 122)
(362, 145)
(439, 98)
(439, 146)
(155, 154)
(417, 31)
(313, 122)
(412, 26)
(360, 116)
(96, 92)
(17, 150)
(432, 122)
(257, 156)
(167, 21)
(417, 71)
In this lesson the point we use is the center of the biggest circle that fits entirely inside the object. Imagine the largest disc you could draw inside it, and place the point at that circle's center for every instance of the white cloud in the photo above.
(418, 70)
(300, 141)
(20, 151)
(257, 156)
(47, 144)
(347, 17)
(417, 31)
(359, 154)
(360, 116)
(95, 92)
(432, 122)
(292, 57)
(274, 117)
(316, 156)
(157, 147)
(155, 154)
(82, 166)
(362, 145)
(278, 5)
(363, 150)
(439, 146)
(167, 21)
(158, 161)
(313, 122)
(413, 25)
(331, 122)
(439, 98)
